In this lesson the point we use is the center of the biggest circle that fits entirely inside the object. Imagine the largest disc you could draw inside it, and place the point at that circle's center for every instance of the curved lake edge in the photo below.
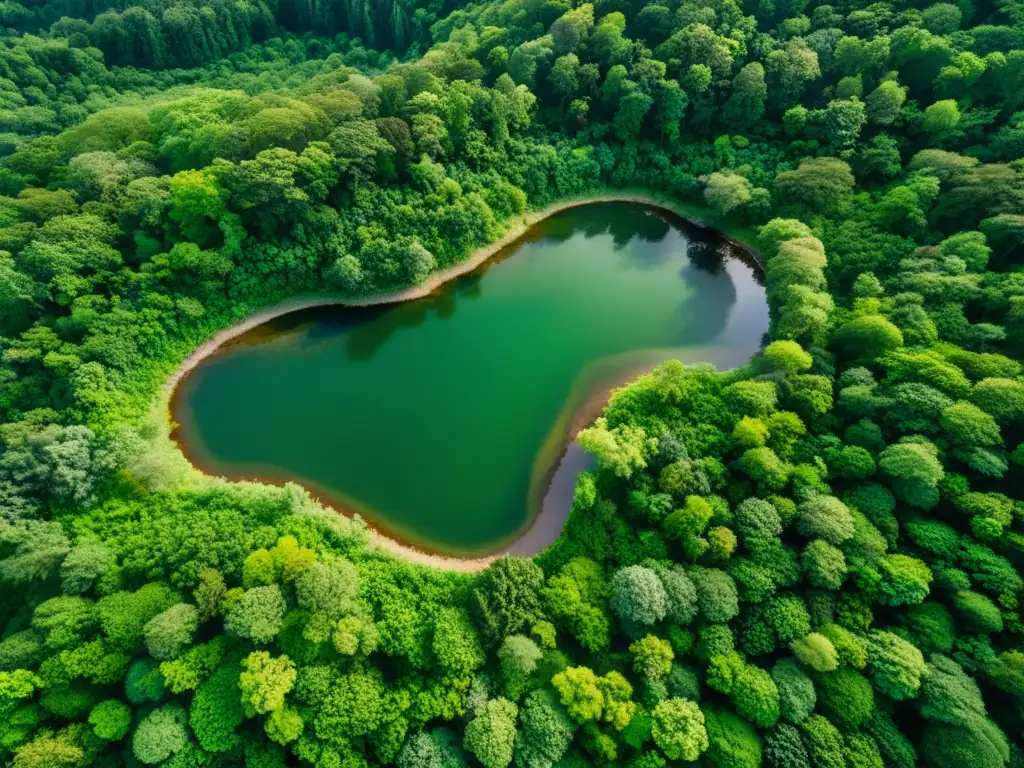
(546, 522)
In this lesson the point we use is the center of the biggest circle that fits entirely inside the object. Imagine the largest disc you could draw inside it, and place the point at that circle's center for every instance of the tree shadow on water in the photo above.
(702, 316)
(367, 339)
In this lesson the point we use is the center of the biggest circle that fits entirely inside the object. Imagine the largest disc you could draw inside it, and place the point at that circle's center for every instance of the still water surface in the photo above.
(440, 420)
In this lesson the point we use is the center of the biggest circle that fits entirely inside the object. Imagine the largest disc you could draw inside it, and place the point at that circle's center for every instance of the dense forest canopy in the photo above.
(813, 560)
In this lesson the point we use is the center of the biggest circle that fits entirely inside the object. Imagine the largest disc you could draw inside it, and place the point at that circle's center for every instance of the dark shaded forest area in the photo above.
(812, 560)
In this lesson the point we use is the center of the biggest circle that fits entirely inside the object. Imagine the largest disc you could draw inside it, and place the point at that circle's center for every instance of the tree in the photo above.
(167, 634)
(456, 645)
(264, 681)
(866, 338)
(816, 184)
(824, 565)
(34, 549)
(347, 273)
(84, 564)
(731, 740)
(885, 102)
(727, 193)
(816, 652)
(258, 614)
(434, 749)
(111, 720)
(786, 356)
(217, 710)
(967, 426)
(844, 119)
(623, 449)
(942, 117)
(825, 517)
(846, 698)
(755, 696)
(944, 745)
(124, 615)
(783, 748)
(546, 730)
(507, 598)
(579, 692)
(209, 593)
(678, 729)
(749, 92)
(638, 596)
(896, 665)
(823, 741)
(716, 594)
(976, 612)
(797, 695)
(159, 735)
(327, 587)
(758, 520)
(915, 472)
(652, 657)
(284, 725)
(905, 580)
(491, 735)
(517, 660)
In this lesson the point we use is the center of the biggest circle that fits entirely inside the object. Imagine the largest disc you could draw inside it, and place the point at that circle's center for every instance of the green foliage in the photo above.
(797, 695)
(258, 614)
(111, 719)
(161, 734)
(168, 633)
(816, 652)
(264, 681)
(732, 742)
(490, 736)
(168, 168)
(895, 665)
(678, 729)
(546, 731)
(846, 698)
(756, 697)
(638, 596)
(456, 645)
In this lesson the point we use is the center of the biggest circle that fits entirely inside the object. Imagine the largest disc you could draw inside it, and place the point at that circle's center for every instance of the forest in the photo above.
(814, 560)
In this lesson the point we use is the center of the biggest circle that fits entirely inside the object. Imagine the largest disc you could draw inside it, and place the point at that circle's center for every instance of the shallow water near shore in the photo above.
(442, 420)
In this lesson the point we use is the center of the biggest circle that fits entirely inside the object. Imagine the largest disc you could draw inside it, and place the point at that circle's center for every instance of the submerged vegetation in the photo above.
(813, 560)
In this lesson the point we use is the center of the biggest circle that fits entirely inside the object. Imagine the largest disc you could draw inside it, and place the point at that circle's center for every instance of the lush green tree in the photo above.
(678, 729)
(731, 740)
(546, 731)
(816, 652)
(797, 695)
(638, 596)
(824, 565)
(491, 735)
(258, 614)
(111, 719)
(507, 598)
(167, 634)
(160, 735)
(456, 645)
(895, 665)
(264, 681)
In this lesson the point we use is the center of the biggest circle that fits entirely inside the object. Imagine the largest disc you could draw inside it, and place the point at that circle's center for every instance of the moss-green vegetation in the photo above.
(810, 561)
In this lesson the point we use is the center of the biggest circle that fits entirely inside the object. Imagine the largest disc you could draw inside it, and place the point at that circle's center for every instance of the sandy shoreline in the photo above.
(547, 524)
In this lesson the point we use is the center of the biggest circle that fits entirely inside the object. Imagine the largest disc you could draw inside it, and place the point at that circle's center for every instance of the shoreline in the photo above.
(544, 519)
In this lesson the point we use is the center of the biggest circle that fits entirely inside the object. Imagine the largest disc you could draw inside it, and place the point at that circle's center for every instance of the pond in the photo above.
(442, 420)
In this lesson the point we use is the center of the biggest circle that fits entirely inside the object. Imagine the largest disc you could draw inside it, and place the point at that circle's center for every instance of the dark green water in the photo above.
(440, 419)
